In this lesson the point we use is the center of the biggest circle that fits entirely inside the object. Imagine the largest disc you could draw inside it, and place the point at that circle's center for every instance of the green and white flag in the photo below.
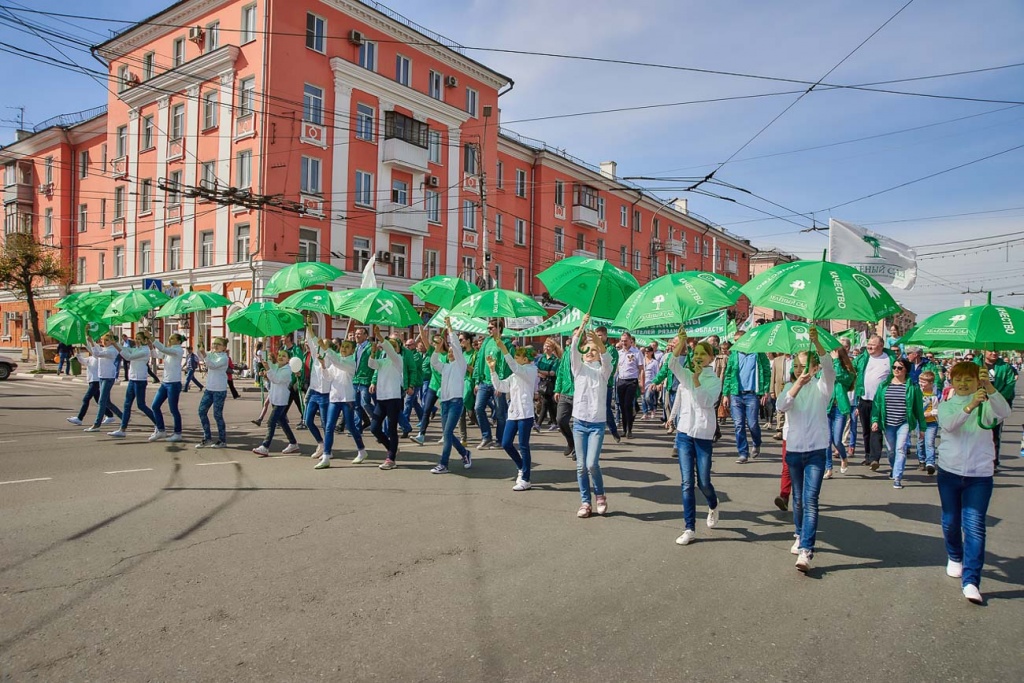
(889, 262)
(460, 323)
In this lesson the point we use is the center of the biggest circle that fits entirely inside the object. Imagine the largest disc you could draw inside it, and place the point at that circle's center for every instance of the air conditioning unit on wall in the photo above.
(355, 37)
(196, 34)
(451, 81)
(433, 181)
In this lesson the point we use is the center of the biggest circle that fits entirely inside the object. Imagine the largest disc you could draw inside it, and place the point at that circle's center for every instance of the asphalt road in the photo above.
(127, 561)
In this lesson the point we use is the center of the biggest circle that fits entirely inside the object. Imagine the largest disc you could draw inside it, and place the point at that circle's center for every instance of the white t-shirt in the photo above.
(875, 372)
(172, 361)
(590, 381)
(807, 426)
(389, 373)
(519, 386)
(341, 369)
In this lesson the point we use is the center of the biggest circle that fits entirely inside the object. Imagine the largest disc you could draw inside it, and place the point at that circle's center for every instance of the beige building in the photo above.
(759, 263)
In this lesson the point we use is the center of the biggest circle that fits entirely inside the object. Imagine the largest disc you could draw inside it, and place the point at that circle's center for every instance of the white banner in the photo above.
(890, 262)
(369, 275)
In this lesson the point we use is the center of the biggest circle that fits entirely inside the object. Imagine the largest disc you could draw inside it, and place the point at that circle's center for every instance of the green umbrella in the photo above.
(821, 290)
(88, 305)
(372, 306)
(300, 276)
(460, 323)
(444, 291)
(671, 299)
(69, 328)
(264, 319)
(130, 306)
(71, 299)
(987, 327)
(318, 300)
(499, 303)
(192, 302)
(783, 336)
(591, 285)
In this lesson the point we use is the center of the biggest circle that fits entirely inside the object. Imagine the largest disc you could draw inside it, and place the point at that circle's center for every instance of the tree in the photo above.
(25, 265)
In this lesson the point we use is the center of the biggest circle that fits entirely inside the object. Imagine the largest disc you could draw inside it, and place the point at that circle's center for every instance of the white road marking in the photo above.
(65, 438)
(10, 441)
(25, 481)
(226, 462)
(145, 469)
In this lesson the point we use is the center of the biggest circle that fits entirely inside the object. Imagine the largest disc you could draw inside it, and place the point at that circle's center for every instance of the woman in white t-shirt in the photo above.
(519, 386)
(590, 372)
(280, 377)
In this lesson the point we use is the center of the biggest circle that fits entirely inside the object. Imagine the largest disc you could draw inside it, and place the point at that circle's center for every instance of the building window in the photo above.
(636, 260)
(406, 128)
(208, 175)
(600, 249)
(212, 37)
(148, 65)
(499, 173)
(398, 260)
(403, 70)
(520, 182)
(178, 52)
(243, 169)
(121, 141)
(205, 249)
(581, 241)
(364, 122)
(248, 33)
(246, 95)
(696, 246)
(316, 30)
(122, 78)
(103, 213)
(559, 240)
(145, 196)
(623, 257)
(174, 189)
(497, 275)
(468, 215)
(656, 229)
(102, 274)
(434, 147)
(83, 164)
(360, 252)
(309, 245)
(177, 122)
(400, 192)
(430, 261)
(472, 98)
(624, 216)
(145, 254)
(559, 193)
(364, 189)
(210, 109)
(313, 104)
(469, 158)
(147, 133)
(48, 222)
(310, 175)
(368, 55)
(435, 85)
(174, 253)
(468, 268)
(118, 261)
(80, 271)
(520, 232)
(586, 196)
(655, 271)
(241, 243)
(119, 202)
(83, 217)
(520, 283)
(705, 248)
(433, 204)
(600, 209)
(499, 228)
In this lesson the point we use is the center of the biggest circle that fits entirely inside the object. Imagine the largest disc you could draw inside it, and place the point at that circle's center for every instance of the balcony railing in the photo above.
(405, 219)
(405, 155)
(675, 247)
(22, 193)
(584, 215)
(584, 253)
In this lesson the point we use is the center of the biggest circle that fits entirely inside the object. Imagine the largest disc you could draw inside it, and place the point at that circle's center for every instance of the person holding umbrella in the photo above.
(341, 368)
(590, 372)
(137, 357)
(486, 389)
(215, 392)
(1002, 376)
(280, 377)
(170, 388)
(91, 365)
(519, 386)
(106, 370)
(746, 384)
(897, 410)
(453, 383)
(386, 359)
(318, 398)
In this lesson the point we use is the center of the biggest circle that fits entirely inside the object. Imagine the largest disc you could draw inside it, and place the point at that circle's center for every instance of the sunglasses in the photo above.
(899, 367)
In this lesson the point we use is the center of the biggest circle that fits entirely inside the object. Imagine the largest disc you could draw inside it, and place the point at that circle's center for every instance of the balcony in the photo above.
(404, 219)
(405, 155)
(731, 267)
(21, 193)
(675, 247)
(584, 253)
(584, 215)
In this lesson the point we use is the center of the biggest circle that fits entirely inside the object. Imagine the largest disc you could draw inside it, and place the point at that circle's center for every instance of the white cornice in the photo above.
(188, 76)
(179, 15)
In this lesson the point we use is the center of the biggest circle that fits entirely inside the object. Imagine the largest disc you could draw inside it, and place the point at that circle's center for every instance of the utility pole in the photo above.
(485, 251)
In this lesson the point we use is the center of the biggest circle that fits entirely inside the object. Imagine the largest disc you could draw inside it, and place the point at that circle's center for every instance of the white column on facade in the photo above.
(338, 202)
(383, 180)
(221, 238)
(454, 214)
(160, 207)
(190, 147)
(132, 190)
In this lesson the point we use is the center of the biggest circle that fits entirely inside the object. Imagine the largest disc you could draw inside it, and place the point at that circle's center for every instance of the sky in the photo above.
(829, 147)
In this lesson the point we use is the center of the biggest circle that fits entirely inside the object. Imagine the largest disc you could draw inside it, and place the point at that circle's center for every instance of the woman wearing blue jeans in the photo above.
(699, 389)
(840, 409)
(966, 467)
(170, 387)
(341, 368)
(138, 376)
(280, 378)
(807, 438)
(453, 382)
(319, 395)
(519, 388)
(897, 410)
(590, 372)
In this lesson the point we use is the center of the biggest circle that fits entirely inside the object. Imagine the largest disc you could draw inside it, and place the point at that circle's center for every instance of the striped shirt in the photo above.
(895, 404)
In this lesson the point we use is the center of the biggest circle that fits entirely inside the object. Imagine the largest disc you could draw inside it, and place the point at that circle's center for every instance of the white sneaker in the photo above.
(954, 569)
(109, 420)
(972, 593)
(93, 428)
(360, 457)
(712, 518)
(261, 451)
(205, 443)
(522, 485)
(686, 538)
(291, 448)
(157, 435)
(795, 548)
(174, 438)
(75, 421)
(117, 434)
(803, 561)
(319, 451)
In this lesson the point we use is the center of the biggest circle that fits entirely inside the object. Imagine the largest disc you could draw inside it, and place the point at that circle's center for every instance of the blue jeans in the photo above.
(364, 403)
(484, 394)
(807, 470)
(926, 443)
(104, 402)
(215, 399)
(65, 361)
(316, 403)
(837, 423)
(136, 393)
(610, 413)
(587, 438)
(429, 401)
(93, 394)
(278, 416)
(852, 443)
(964, 506)
(695, 454)
(523, 427)
(412, 404)
(451, 411)
(190, 378)
(170, 392)
(744, 409)
(347, 411)
(897, 438)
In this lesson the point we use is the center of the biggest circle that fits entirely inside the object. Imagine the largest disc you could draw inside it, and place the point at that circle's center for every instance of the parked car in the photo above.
(7, 367)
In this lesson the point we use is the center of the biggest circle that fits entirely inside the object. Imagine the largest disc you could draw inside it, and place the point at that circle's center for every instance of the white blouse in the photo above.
(318, 379)
(453, 374)
(172, 360)
(697, 417)
(138, 362)
(389, 373)
(280, 377)
(807, 427)
(341, 369)
(519, 386)
(590, 381)
(965, 449)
